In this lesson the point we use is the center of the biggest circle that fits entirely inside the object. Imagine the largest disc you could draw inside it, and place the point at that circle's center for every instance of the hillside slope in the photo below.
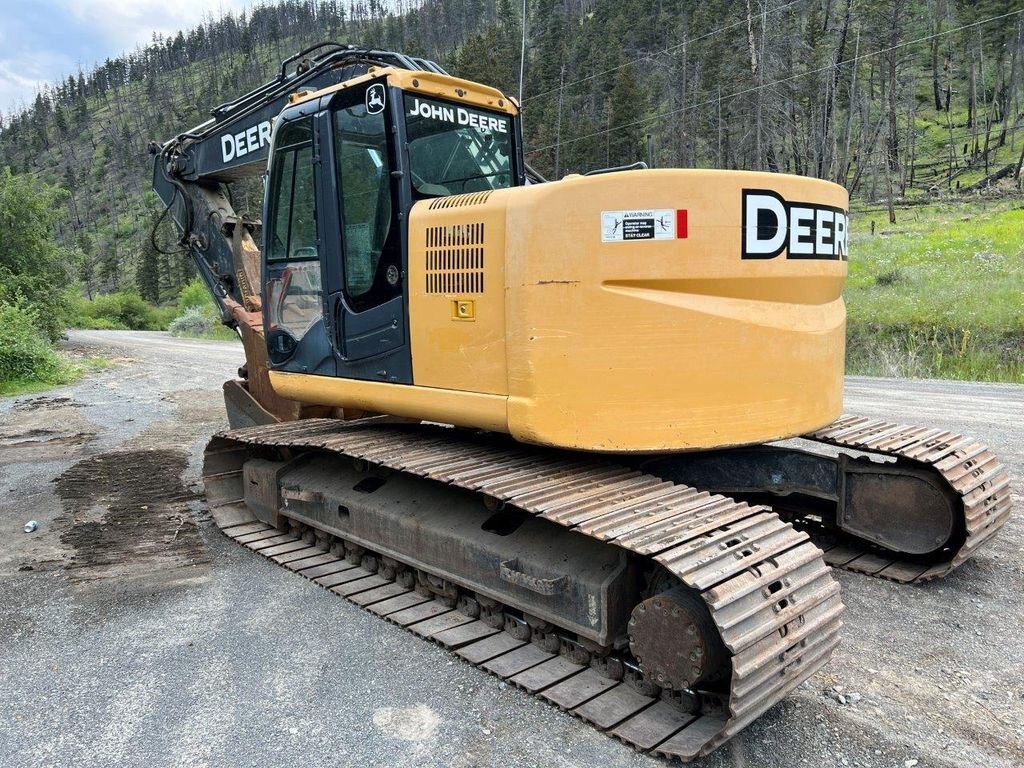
(893, 98)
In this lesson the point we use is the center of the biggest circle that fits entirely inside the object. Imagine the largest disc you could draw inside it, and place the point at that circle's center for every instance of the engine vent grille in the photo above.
(459, 201)
(455, 259)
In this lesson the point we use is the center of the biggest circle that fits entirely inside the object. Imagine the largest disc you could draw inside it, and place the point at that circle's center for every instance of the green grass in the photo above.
(69, 371)
(217, 333)
(14, 387)
(940, 293)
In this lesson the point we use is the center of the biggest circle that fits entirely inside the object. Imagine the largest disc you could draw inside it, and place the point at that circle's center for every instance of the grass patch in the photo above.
(13, 387)
(938, 294)
(220, 333)
(71, 371)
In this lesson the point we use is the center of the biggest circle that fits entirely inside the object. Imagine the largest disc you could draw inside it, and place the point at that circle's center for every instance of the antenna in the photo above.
(522, 55)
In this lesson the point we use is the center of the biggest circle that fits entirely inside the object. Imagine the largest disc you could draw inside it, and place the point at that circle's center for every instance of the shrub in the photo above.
(124, 310)
(194, 322)
(195, 294)
(25, 354)
(163, 316)
(33, 267)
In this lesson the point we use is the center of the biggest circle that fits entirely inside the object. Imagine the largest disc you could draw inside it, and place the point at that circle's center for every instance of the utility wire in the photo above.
(649, 56)
(781, 81)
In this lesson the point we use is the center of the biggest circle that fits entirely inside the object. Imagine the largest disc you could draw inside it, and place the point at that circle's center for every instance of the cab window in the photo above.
(371, 246)
(294, 292)
(454, 148)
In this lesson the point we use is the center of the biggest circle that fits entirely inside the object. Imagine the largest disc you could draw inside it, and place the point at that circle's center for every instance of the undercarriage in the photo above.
(628, 592)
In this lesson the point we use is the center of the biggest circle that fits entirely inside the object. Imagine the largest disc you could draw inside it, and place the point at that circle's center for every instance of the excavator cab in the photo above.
(346, 167)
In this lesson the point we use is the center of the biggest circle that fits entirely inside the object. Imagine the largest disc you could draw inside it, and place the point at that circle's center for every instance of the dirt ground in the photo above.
(133, 633)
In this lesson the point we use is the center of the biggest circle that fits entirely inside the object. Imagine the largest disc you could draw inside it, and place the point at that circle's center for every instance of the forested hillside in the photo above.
(893, 98)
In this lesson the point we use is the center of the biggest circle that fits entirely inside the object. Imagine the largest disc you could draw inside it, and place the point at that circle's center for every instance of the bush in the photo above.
(25, 354)
(195, 294)
(123, 311)
(163, 316)
(194, 322)
(34, 269)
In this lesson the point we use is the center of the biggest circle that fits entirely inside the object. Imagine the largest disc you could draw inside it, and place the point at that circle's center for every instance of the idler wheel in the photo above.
(674, 641)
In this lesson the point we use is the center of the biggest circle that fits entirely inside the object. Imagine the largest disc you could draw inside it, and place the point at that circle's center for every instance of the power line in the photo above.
(782, 81)
(649, 56)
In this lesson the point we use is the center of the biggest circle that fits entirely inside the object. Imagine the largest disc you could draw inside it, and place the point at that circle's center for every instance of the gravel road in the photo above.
(133, 633)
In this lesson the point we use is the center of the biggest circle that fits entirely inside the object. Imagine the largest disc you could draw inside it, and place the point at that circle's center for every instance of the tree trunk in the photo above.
(558, 124)
(845, 169)
(936, 89)
(827, 128)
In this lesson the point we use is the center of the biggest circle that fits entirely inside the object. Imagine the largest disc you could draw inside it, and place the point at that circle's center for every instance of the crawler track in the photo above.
(969, 468)
(768, 591)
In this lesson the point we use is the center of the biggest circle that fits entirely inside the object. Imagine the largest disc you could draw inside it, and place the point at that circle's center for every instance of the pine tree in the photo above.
(626, 110)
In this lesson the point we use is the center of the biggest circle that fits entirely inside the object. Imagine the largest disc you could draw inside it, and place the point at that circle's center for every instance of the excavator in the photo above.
(586, 434)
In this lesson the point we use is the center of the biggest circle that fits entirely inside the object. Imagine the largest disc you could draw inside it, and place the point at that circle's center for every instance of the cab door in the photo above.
(366, 256)
(297, 336)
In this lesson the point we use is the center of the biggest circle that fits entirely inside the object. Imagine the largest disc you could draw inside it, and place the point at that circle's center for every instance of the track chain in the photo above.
(970, 469)
(769, 593)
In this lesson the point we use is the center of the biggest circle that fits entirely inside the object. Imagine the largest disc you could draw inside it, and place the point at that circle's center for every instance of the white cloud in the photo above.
(82, 34)
(22, 77)
(128, 23)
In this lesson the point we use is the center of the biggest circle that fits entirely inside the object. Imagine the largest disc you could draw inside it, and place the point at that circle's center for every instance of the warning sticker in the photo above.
(621, 226)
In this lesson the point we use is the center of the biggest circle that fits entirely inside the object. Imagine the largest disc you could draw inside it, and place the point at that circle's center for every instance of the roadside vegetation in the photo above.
(35, 280)
(192, 313)
(196, 315)
(27, 358)
(940, 294)
(40, 296)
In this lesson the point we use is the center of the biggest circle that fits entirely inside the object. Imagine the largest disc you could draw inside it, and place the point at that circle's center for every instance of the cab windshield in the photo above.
(454, 148)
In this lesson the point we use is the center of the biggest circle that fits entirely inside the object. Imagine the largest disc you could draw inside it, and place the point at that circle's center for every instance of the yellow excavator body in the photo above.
(622, 312)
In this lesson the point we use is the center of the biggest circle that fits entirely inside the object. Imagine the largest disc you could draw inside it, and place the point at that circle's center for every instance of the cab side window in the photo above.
(372, 249)
(294, 291)
(294, 234)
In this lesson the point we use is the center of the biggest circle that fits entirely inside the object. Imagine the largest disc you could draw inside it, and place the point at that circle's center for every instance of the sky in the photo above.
(42, 41)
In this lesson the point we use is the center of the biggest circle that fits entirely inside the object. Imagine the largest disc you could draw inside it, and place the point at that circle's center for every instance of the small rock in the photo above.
(294, 731)
(853, 698)
(910, 763)
(835, 695)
